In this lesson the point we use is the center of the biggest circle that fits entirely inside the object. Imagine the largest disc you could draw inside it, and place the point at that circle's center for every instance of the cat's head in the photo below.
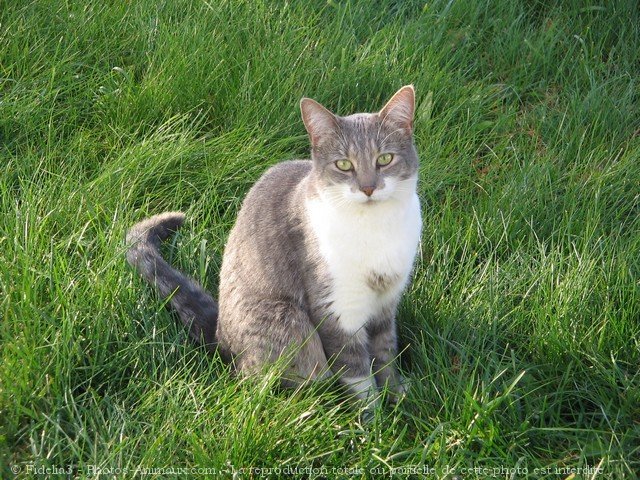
(366, 157)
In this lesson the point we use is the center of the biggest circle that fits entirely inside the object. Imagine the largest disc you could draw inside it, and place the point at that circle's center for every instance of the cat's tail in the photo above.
(197, 310)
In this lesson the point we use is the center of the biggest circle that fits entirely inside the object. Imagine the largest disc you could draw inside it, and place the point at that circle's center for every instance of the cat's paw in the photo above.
(368, 411)
(398, 389)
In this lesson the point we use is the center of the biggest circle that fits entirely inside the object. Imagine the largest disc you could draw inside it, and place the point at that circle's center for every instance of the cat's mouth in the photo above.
(356, 197)
(371, 200)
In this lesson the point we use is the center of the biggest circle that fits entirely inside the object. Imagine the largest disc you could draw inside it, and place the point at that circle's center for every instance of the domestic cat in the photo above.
(318, 258)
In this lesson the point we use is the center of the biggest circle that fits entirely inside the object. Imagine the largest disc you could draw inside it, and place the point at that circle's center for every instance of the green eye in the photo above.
(344, 165)
(384, 159)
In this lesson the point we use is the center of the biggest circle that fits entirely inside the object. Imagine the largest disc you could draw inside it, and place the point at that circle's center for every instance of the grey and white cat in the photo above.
(320, 254)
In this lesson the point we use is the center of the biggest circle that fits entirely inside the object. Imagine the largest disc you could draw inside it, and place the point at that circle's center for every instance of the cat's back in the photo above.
(268, 200)
(277, 182)
(262, 244)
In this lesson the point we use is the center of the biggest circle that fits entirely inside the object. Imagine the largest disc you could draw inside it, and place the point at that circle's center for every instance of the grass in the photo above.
(521, 325)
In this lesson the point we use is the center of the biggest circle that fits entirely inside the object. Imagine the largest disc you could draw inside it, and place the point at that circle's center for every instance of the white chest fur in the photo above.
(369, 250)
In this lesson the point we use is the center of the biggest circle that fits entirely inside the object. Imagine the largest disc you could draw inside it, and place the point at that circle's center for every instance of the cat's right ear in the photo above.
(318, 121)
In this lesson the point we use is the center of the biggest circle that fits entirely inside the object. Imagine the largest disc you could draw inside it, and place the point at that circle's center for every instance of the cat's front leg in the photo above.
(349, 358)
(383, 347)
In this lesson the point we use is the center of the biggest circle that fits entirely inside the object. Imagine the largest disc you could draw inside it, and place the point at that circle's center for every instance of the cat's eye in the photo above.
(384, 159)
(344, 165)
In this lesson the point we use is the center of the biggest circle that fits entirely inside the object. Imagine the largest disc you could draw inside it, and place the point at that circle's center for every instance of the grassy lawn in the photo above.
(522, 325)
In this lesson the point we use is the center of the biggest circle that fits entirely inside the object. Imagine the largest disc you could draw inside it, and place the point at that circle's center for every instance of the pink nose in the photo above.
(368, 191)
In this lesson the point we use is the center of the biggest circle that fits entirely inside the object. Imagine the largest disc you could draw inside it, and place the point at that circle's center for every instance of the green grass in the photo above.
(522, 323)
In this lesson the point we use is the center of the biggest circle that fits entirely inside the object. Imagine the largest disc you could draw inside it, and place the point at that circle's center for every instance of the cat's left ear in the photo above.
(400, 109)
(318, 121)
